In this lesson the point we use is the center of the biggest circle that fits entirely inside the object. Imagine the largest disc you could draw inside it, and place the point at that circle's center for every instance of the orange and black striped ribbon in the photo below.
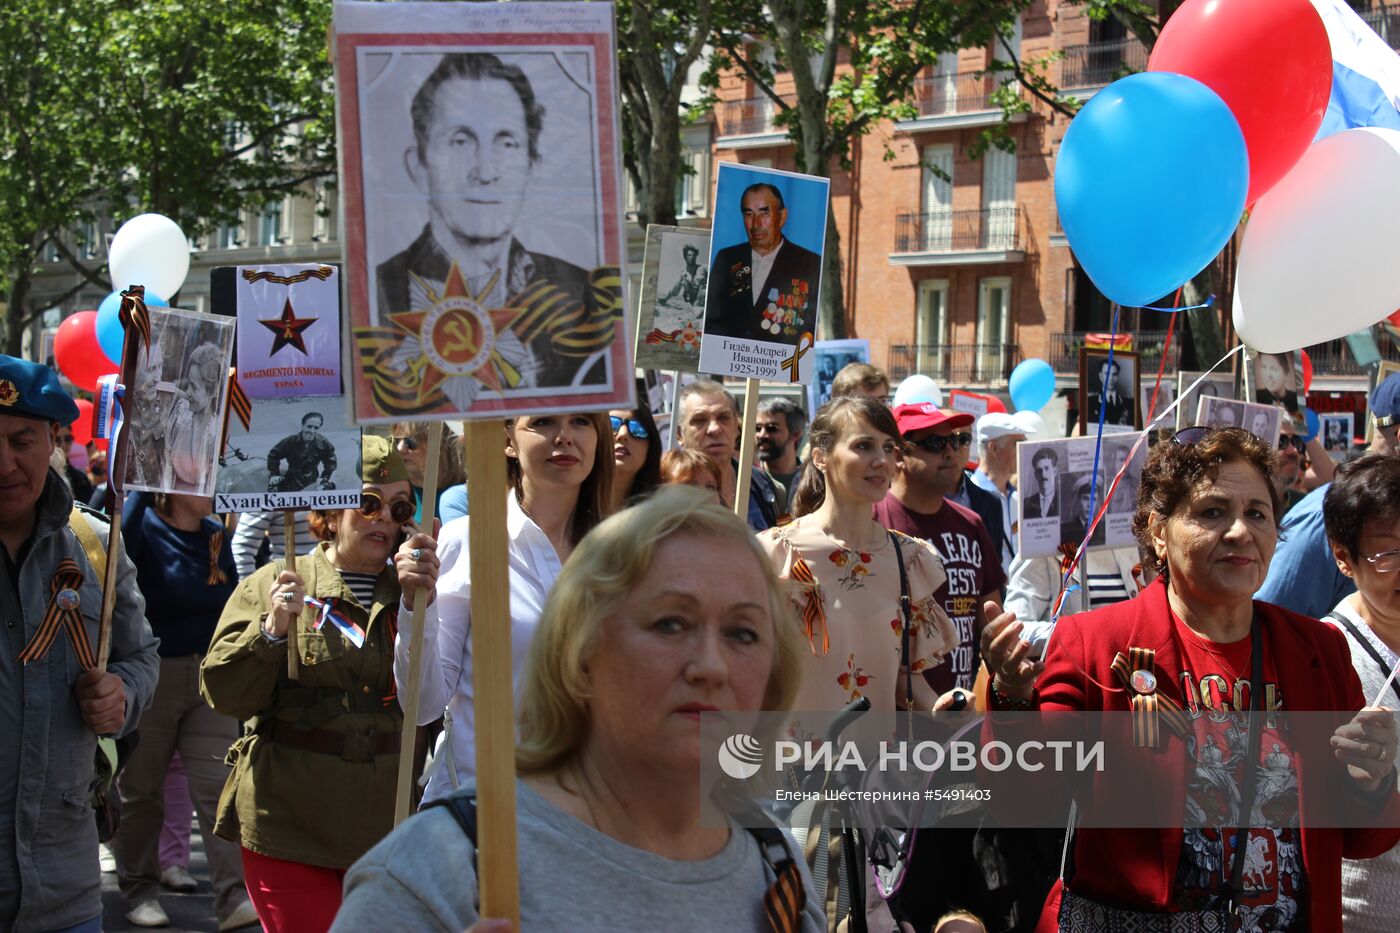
(575, 328)
(812, 612)
(784, 902)
(67, 577)
(1150, 710)
(217, 577)
(133, 314)
(395, 392)
(238, 401)
(253, 275)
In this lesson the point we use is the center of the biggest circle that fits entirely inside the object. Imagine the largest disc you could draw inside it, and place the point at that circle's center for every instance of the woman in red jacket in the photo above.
(1208, 517)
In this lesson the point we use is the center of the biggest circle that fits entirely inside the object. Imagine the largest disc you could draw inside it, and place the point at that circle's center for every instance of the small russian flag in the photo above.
(1365, 73)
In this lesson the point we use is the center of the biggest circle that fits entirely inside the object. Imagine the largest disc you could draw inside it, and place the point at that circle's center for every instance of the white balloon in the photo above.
(917, 389)
(1317, 261)
(149, 250)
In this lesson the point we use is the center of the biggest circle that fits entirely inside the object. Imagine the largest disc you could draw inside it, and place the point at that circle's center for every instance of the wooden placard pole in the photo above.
(403, 797)
(116, 492)
(747, 442)
(497, 862)
(670, 441)
(289, 546)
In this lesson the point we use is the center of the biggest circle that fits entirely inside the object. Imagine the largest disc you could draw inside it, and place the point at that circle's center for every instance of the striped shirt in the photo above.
(1105, 589)
(362, 585)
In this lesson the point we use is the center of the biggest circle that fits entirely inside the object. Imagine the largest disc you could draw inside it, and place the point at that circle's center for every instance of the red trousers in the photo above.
(292, 897)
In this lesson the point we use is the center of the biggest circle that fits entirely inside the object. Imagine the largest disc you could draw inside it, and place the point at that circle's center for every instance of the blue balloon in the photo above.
(109, 324)
(1150, 183)
(1314, 423)
(1032, 385)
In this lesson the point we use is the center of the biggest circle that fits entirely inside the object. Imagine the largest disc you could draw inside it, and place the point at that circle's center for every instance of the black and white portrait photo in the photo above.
(483, 199)
(832, 357)
(1220, 413)
(297, 453)
(1108, 387)
(1059, 478)
(1275, 380)
(1213, 385)
(175, 406)
(1337, 429)
(1258, 419)
(671, 313)
(1077, 511)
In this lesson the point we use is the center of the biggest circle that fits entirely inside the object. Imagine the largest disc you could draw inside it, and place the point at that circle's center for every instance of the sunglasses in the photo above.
(1286, 441)
(937, 443)
(408, 442)
(634, 427)
(372, 503)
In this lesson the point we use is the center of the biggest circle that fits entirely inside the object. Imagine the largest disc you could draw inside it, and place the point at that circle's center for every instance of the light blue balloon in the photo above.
(1150, 183)
(1314, 423)
(109, 323)
(1032, 385)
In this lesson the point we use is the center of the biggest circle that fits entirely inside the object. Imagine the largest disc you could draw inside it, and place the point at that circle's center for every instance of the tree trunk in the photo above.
(657, 202)
(831, 315)
(16, 311)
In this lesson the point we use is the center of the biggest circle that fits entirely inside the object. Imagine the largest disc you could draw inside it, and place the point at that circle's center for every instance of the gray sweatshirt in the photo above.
(572, 877)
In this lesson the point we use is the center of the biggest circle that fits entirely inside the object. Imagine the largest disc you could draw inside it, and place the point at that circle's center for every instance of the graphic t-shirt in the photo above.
(973, 568)
(1215, 683)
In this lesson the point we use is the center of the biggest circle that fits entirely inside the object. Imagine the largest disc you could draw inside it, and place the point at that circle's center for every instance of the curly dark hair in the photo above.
(1174, 469)
(1365, 490)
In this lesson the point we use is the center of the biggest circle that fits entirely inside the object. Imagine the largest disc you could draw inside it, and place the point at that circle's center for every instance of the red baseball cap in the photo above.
(912, 418)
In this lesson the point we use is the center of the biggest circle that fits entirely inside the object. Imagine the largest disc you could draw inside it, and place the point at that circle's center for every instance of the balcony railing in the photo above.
(1064, 351)
(946, 231)
(751, 116)
(1386, 22)
(955, 362)
(1099, 63)
(944, 95)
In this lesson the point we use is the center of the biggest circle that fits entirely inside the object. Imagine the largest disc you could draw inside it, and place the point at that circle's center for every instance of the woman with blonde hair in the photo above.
(687, 467)
(634, 644)
(559, 467)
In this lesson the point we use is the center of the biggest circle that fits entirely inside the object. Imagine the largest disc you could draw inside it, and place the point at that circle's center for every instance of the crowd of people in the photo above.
(877, 560)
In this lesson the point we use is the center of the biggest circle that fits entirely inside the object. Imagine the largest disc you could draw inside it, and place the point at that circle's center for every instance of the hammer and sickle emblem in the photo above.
(460, 337)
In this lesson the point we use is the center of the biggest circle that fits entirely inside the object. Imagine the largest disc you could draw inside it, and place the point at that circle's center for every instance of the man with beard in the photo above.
(780, 426)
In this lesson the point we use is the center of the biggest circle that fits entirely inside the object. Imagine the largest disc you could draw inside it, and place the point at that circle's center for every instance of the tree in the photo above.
(658, 46)
(195, 111)
(883, 46)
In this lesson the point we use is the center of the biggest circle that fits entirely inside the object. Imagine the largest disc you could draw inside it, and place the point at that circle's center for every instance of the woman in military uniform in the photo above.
(313, 779)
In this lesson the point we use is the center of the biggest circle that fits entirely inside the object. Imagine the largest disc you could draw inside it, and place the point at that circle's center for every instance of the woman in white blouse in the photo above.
(560, 473)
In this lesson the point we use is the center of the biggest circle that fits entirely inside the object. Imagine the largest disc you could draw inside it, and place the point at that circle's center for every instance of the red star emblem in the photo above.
(454, 331)
(287, 329)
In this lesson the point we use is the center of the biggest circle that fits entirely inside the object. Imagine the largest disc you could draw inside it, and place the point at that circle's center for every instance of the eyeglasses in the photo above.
(407, 441)
(937, 443)
(372, 503)
(1286, 441)
(1385, 561)
(634, 427)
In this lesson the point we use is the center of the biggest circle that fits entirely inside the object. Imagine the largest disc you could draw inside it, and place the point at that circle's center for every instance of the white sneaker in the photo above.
(106, 859)
(245, 914)
(176, 878)
(148, 914)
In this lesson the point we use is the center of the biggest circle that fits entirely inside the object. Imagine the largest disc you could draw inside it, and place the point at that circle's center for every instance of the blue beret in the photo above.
(1385, 400)
(31, 390)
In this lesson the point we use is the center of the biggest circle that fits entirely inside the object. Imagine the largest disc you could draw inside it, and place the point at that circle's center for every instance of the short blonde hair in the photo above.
(597, 580)
(859, 378)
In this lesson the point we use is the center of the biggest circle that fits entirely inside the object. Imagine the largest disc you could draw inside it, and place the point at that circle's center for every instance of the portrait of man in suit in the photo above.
(766, 287)
(1115, 393)
(1042, 502)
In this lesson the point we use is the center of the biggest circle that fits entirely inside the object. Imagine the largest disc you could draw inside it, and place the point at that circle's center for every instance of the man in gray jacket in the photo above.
(53, 701)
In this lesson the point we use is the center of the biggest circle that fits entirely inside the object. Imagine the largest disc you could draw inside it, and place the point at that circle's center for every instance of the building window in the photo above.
(931, 329)
(230, 236)
(325, 227)
(993, 328)
(88, 235)
(999, 199)
(937, 205)
(270, 229)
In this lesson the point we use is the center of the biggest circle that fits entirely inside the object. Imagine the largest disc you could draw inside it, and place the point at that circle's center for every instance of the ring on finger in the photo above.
(415, 554)
(1380, 753)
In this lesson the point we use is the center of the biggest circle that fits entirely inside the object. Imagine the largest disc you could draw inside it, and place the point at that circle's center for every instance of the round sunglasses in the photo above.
(634, 427)
(400, 510)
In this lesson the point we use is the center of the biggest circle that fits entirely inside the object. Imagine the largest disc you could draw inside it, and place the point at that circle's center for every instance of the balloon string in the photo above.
(1166, 348)
(1209, 302)
(1103, 407)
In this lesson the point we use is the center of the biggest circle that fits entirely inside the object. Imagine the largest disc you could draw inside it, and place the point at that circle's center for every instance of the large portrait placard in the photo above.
(481, 176)
(175, 405)
(765, 274)
(1059, 487)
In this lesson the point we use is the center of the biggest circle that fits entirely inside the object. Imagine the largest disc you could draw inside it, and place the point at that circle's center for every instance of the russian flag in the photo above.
(1365, 73)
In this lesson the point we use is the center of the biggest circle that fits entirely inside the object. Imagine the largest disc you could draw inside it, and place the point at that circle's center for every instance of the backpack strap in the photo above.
(906, 612)
(1364, 642)
(79, 524)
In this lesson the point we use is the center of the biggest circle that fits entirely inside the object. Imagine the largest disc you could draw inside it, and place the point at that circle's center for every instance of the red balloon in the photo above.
(1269, 60)
(1307, 372)
(78, 353)
(82, 428)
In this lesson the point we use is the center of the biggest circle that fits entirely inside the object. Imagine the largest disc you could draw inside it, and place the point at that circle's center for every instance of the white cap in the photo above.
(999, 424)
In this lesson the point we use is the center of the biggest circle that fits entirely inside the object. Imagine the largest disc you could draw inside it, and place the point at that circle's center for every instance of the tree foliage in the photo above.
(199, 111)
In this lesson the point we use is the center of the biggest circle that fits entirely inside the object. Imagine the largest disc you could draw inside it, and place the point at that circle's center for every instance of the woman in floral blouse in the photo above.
(842, 570)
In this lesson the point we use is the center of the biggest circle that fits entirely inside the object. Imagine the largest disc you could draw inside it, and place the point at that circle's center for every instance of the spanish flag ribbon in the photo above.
(813, 614)
(791, 363)
(63, 612)
(1151, 708)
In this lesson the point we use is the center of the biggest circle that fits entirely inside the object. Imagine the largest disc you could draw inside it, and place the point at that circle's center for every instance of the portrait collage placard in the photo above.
(832, 357)
(175, 404)
(1057, 480)
(765, 274)
(671, 312)
(482, 280)
(1215, 385)
(1337, 431)
(1260, 420)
